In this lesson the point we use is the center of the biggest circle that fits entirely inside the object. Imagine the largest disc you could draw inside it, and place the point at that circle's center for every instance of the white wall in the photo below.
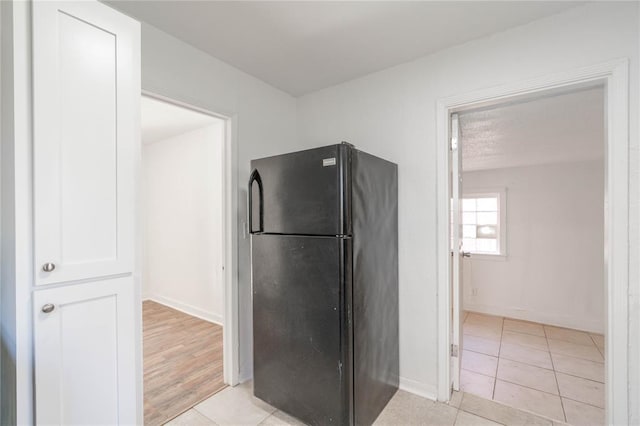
(392, 114)
(554, 269)
(265, 126)
(182, 197)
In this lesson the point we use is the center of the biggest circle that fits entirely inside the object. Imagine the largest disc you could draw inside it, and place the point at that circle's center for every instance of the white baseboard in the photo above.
(584, 324)
(186, 308)
(421, 389)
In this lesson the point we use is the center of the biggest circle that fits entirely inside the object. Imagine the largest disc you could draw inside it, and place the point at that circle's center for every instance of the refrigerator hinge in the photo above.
(454, 350)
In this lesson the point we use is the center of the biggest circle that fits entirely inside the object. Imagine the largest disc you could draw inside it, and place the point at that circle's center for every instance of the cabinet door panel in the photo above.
(86, 104)
(88, 154)
(85, 354)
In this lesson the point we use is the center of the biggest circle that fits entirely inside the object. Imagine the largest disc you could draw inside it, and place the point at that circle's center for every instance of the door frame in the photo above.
(230, 358)
(615, 76)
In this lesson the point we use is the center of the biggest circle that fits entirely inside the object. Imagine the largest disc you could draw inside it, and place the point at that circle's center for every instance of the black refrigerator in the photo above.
(324, 247)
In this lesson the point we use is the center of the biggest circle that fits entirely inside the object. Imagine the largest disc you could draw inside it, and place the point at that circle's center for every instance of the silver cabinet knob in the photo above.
(48, 308)
(48, 267)
(466, 254)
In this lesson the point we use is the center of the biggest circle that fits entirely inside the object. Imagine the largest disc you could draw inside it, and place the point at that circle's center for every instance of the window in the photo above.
(483, 223)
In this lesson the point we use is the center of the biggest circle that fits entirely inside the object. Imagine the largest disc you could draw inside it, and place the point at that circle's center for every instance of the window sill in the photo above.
(487, 256)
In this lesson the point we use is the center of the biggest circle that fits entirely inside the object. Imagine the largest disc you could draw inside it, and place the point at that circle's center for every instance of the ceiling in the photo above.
(555, 128)
(304, 46)
(162, 120)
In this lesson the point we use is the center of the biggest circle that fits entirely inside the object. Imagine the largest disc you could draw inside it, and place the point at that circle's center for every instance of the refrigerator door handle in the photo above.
(255, 177)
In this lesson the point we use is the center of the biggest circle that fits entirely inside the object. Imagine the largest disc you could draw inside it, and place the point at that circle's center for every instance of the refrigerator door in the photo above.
(301, 335)
(301, 193)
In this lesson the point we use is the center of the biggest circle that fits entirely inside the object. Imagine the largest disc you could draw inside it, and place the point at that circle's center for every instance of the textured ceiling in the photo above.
(162, 120)
(551, 129)
(303, 46)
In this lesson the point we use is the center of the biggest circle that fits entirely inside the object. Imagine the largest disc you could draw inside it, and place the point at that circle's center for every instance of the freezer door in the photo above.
(301, 193)
(301, 338)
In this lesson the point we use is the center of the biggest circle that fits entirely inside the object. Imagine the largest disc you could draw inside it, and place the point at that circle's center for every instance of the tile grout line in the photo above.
(580, 377)
(457, 413)
(524, 332)
(482, 416)
(578, 357)
(515, 360)
(555, 375)
(582, 402)
(534, 389)
(503, 404)
(534, 365)
(525, 362)
(548, 351)
(545, 336)
(495, 379)
(592, 344)
(541, 350)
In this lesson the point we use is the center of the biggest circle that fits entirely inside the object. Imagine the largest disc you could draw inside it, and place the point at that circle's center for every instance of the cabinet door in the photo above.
(85, 354)
(86, 76)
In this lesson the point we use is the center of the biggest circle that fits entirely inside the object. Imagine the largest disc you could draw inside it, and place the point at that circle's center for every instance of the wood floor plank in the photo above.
(182, 361)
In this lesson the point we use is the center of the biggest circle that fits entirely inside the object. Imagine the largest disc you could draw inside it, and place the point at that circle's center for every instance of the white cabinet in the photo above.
(86, 78)
(84, 343)
(86, 106)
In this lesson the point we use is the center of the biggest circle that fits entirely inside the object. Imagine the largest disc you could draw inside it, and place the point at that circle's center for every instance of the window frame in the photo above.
(501, 194)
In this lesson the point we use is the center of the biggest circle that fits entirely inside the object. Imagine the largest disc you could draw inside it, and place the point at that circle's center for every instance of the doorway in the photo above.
(614, 78)
(183, 254)
(532, 230)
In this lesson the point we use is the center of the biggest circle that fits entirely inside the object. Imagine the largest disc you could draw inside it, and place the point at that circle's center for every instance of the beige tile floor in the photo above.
(236, 406)
(555, 372)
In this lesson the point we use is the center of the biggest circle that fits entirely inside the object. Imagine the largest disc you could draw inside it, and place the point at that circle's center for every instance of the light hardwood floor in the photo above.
(182, 362)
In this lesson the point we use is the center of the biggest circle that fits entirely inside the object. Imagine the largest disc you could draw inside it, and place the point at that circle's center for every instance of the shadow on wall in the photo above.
(8, 377)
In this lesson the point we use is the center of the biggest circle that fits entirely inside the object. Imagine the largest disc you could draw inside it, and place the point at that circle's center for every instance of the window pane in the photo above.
(486, 231)
(486, 245)
(487, 204)
(469, 204)
(485, 218)
(469, 231)
(469, 218)
(479, 224)
(469, 244)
